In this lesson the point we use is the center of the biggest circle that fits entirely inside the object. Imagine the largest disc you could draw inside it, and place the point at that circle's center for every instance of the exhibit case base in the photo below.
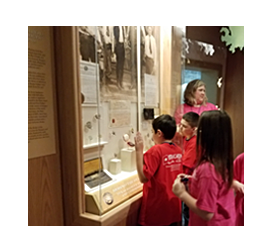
(100, 200)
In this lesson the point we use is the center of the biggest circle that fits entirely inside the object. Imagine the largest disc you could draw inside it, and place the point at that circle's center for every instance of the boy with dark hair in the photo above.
(157, 168)
(188, 128)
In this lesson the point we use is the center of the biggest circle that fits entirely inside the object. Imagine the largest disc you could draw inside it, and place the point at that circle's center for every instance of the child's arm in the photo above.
(180, 191)
(139, 157)
(238, 186)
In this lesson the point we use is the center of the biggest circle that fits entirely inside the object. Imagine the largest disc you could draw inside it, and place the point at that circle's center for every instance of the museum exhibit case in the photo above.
(112, 82)
(114, 107)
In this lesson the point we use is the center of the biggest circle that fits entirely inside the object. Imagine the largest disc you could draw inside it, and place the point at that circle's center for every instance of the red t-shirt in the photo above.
(162, 163)
(238, 172)
(189, 155)
(212, 196)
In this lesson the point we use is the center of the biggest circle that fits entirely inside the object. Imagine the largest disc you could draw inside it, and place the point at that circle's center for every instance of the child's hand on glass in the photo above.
(138, 142)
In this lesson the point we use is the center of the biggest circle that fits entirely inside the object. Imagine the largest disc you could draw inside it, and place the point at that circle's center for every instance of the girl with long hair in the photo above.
(211, 197)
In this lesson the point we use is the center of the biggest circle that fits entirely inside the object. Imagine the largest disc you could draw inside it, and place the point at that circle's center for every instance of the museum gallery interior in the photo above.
(91, 88)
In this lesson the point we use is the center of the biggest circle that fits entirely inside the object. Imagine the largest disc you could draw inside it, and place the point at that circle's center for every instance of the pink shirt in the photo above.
(238, 171)
(212, 196)
(184, 108)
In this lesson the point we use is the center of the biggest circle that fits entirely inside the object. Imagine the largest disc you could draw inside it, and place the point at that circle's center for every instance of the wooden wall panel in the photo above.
(165, 71)
(44, 179)
(234, 98)
(44, 192)
(234, 81)
(207, 34)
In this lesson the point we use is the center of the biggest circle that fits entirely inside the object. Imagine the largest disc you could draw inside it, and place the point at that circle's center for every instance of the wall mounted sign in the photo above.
(41, 131)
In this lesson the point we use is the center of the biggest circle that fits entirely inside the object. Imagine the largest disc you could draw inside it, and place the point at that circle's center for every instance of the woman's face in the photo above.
(199, 94)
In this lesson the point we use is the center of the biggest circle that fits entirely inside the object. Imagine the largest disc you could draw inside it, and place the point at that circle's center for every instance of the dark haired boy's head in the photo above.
(165, 124)
(192, 118)
(189, 124)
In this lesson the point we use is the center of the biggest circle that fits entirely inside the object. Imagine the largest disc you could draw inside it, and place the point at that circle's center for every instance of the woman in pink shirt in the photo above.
(195, 100)
(211, 197)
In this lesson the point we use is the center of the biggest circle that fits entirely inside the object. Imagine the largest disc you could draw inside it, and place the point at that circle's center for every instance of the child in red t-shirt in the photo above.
(157, 169)
(211, 197)
(188, 128)
(238, 185)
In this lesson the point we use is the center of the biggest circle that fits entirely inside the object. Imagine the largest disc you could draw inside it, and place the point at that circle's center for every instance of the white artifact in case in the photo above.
(128, 159)
(115, 166)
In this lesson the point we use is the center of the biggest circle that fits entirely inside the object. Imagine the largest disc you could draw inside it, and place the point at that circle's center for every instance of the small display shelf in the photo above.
(94, 145)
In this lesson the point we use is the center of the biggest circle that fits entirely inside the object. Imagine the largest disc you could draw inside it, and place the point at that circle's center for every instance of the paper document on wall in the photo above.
(151, 91)
(89, 81)
(119, 113)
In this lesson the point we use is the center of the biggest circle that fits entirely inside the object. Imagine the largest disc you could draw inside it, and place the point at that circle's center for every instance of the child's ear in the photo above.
(195, 130)
(159, 133)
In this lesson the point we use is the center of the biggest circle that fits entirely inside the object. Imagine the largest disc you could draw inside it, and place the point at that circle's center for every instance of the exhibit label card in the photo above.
(89, 81)
(41, 130)
(151, 90)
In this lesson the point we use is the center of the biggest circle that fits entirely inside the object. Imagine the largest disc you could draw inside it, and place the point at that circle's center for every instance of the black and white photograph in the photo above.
(114, 49)
(150, 40)
(150, 50)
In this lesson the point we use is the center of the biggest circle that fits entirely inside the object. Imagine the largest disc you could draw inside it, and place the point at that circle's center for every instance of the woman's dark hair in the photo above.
(166, 124)
(191, 88)
(214, 142)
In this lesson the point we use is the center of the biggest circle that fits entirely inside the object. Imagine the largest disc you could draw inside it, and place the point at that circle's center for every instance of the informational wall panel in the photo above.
(41, 131)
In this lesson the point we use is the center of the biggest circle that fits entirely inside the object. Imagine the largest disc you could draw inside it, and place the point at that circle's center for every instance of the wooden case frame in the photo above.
(70, 133)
